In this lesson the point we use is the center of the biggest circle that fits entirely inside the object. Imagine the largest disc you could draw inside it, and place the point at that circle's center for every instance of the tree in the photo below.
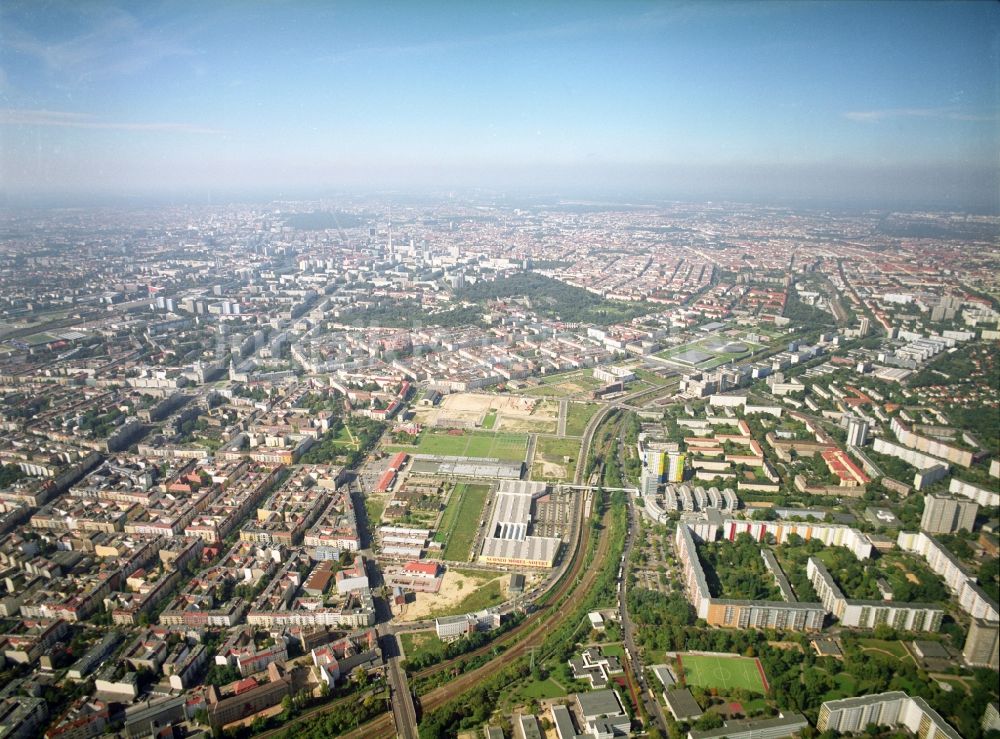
(709, 721)
(359, 676)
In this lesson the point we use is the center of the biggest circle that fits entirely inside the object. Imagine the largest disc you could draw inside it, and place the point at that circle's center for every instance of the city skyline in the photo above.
(882, 103)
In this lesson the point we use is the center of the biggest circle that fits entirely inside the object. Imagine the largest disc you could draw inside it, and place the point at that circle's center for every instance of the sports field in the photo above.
(723, 672)
(499, 445)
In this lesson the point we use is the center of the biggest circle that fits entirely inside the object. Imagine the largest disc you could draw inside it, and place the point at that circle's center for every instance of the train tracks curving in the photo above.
(568, 589)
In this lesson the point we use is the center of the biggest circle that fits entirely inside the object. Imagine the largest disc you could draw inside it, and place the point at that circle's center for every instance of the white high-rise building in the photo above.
(982, 645)
(857, 431)
(946, 515)
(884, 709)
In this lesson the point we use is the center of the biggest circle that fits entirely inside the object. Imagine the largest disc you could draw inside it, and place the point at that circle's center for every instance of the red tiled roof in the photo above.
(422, 568)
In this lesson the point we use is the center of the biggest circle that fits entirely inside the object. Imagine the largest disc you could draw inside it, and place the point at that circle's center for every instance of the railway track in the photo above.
(383, 726)
(442, 694)
(535, 626)
(562, 585)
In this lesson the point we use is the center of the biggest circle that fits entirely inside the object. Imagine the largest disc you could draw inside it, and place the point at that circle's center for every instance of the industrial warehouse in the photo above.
(508, 540)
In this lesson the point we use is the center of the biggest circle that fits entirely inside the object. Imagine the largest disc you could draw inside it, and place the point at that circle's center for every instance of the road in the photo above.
(404, 714)
(529, 457)
(634, 662)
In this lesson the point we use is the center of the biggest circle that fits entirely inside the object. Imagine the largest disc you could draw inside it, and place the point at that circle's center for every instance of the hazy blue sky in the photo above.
(777, 99)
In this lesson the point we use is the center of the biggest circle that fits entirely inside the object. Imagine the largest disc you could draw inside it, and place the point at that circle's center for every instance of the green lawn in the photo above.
(506, 446)
(846, 686)
(450, 514)
(654, 379)
(577, 417)
(488, 595)
(724, 673)
(542, 690)
(345, 437)
(490, 420)
(374, 508)
(479, 576)
(462, 517)
(39, 338)
(714, 359)
(420, 642)
(957, 684)
(578, 377)
(895, 648)
(613, 650)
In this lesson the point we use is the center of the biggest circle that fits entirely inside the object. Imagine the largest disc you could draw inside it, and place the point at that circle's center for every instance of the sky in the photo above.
(866, 101)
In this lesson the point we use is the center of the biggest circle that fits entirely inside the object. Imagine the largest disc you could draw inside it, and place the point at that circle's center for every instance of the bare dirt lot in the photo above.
(455, 588)
(493, 412)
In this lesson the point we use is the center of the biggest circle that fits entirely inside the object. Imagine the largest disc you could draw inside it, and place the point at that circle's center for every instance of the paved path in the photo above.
(633, 661)
(529, 457)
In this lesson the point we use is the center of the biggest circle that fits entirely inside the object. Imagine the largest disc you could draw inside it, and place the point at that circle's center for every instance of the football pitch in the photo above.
(509, 447)
(724, 672)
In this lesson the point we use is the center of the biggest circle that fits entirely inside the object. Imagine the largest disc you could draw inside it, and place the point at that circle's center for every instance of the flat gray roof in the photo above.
(793, 722)
(682, 704)
(599, 703)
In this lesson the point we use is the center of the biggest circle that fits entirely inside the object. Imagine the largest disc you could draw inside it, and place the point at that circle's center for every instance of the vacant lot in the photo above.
(577, 384)
(487, 595)
(551, 457)
(461, 592)
(419, 643)
(577, 417)
(491, 412)
(723, 672)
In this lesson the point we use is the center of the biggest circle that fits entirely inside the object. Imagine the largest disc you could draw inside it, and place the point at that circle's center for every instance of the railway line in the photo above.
(569, 585)
(539, 627)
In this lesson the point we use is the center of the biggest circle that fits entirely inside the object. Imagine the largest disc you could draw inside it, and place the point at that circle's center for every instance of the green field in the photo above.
(654, 379)
(419, 643)
(714, 358)
(479, 576)
(345, 437)
(506, 446)
(461, 519)
(39, 338)
(490, 419)
(577, 417)
(724, 673)
(374, 508)
(957, 684)
(613, 650)
(894, 648)
(542, 690)
(450, 515)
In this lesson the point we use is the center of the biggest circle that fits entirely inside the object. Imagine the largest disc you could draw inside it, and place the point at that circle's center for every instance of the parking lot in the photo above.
(553, 512)
(654, 565)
